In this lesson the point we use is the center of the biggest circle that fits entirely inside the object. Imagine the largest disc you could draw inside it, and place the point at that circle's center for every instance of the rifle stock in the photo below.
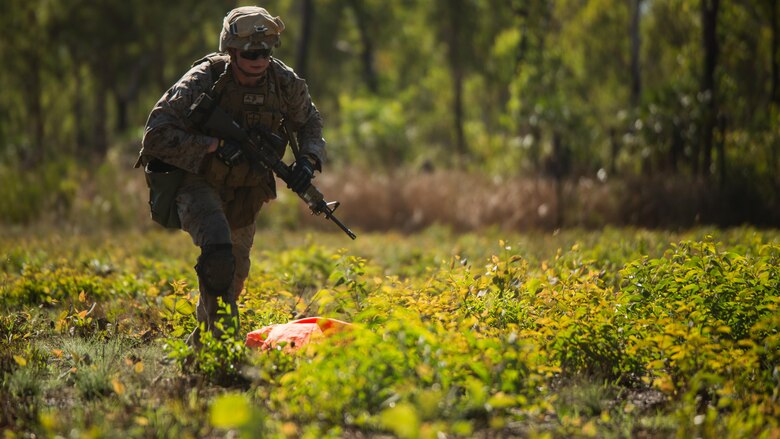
(205, 113)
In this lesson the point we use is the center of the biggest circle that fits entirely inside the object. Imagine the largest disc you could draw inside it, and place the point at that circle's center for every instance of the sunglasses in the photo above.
(255, 54)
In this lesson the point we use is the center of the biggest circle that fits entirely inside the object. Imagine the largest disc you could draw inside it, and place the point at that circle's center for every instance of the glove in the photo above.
(229, 152)
(302, 173)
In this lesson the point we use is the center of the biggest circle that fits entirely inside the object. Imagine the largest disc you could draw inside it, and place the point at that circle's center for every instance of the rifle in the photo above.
(260, 148)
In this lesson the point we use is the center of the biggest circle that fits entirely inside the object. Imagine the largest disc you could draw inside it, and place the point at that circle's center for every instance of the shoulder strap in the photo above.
(293, 139)
(218, 63)
(285, 125)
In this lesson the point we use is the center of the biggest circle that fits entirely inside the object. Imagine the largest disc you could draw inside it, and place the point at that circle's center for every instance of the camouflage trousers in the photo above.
(201, 211)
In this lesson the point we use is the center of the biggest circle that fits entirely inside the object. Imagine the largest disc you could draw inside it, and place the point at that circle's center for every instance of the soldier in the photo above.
(216, 195)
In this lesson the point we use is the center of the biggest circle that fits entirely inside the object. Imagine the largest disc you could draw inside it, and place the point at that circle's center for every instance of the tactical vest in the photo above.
(260, 105)
(249, 106)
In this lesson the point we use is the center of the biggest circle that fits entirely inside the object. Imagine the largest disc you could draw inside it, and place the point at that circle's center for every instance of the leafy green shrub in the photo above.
(704, 315)
(452, 335)
(219, 359)
(27, 194)
(353, 379)
(373, 131)
(52, 284)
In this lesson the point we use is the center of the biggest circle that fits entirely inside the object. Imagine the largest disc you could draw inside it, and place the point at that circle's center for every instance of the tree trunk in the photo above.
(559, 167)
(34, 91)
(302, 54)
(775, 47)
(100, 120)
(676, 148)
(367, 54)
(775, 57)
(775, 157)
(460, 137)
(36, 113)
(721, 143)
(453, 38)
(129, 94)
(614, 150)
(521, 12)
(636, 78)
(78, 110)
(709, 15)
(121, 103)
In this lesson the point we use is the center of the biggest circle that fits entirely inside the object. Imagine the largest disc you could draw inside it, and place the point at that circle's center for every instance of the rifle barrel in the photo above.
(329, 215)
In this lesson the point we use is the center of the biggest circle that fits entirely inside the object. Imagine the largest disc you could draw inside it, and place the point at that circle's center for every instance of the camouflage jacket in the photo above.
(170, 137)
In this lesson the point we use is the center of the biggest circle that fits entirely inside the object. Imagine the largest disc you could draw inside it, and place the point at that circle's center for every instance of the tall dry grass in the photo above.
(411, 201)
(115, 195)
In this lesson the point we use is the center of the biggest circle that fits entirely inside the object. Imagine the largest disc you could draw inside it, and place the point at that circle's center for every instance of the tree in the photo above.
(709, 90)
(23, 39)
(304, 40)
(455, 18)
(636, 74)
(774, 17)
(367, 44)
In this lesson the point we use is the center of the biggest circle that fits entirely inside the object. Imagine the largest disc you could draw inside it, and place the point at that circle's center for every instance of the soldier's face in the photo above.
(253, 63)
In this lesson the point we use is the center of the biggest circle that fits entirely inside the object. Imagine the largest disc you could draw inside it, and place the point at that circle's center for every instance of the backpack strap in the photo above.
(285, 125)
(218, 66)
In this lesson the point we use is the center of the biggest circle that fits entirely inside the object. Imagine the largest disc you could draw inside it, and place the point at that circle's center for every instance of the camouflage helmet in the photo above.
(250, 28)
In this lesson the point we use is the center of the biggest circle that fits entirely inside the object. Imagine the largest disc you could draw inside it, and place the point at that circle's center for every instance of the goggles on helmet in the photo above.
(250, 28)
(247, 25)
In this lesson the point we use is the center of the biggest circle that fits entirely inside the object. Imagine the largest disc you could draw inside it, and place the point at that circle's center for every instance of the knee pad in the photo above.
(216, 267)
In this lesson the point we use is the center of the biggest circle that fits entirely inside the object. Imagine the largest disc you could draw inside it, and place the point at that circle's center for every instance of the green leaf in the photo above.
(185, 307)
(21, 361)
(177, 305)
(231, 410)
(401, 420)
(501, 401)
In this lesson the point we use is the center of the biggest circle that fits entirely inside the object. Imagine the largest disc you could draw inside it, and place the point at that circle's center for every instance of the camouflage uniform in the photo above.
(217, 204)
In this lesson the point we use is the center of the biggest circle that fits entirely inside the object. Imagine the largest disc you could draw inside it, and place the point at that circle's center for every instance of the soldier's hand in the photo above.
(229, 152)
(302, 173)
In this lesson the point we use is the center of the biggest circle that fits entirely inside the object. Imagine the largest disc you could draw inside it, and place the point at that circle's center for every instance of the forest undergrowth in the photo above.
(114, 195)
(615, 333)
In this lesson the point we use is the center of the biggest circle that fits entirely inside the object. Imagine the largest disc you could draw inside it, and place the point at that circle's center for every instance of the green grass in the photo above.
(617, 333)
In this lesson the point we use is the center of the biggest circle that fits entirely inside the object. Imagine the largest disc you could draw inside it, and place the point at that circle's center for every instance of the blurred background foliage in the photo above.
(662, 105)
